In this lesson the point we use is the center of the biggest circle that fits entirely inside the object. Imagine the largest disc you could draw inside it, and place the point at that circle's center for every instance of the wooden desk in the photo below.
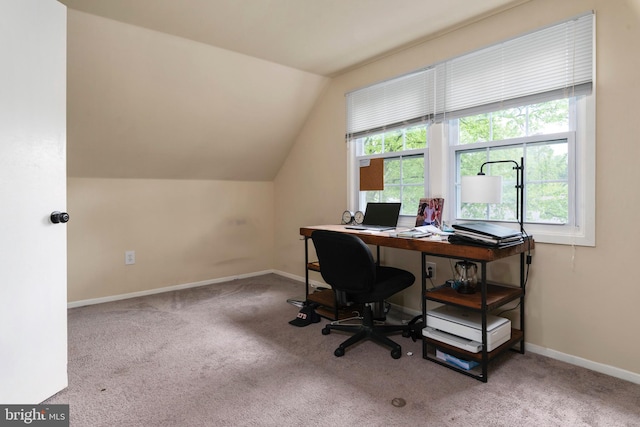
(490, 297)
(425, 244)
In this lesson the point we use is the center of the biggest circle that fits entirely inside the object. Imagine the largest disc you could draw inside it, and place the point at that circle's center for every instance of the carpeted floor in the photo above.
(225, 355)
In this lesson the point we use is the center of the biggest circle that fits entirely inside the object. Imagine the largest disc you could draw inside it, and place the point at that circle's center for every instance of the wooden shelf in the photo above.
(497, 295)
(326, 299)
(343, 313)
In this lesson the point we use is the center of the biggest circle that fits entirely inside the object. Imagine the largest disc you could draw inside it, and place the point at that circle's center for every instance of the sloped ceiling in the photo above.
(219, 89)
(144, 104)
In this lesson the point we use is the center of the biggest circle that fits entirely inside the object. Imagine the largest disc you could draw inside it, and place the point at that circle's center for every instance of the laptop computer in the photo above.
(379, 217)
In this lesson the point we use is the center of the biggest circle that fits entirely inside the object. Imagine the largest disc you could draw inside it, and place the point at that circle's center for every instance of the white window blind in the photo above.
(392, 103)
(554, 62)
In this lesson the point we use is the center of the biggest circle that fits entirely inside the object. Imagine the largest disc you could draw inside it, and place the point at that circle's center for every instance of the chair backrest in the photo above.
(346, 262)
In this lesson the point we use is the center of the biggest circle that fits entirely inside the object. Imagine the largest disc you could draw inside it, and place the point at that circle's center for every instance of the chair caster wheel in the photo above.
(396, 353)
(326, 330)
(406, 334)
(339, 352)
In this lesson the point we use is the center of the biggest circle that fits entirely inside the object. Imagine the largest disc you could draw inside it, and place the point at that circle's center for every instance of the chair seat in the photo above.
(389, 281)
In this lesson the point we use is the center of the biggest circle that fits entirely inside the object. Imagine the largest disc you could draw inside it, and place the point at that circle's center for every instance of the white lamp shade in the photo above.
(481, 189)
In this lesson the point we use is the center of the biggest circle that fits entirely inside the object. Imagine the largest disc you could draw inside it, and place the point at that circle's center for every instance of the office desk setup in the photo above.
(488, 297)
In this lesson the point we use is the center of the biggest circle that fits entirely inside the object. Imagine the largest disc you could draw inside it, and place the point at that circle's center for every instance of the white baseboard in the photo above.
(553, 354)
(165, 289)
(312, 283)
(585, 363)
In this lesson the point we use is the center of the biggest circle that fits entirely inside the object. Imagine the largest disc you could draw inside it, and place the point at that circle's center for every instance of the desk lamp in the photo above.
(483, 188)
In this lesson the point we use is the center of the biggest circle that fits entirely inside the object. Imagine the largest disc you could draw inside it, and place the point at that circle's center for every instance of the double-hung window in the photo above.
(528, 98)
(389, 122)
(534, 101)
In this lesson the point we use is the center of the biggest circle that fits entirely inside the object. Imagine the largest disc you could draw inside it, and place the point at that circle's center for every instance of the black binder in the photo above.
(485, 234)
(488, 229)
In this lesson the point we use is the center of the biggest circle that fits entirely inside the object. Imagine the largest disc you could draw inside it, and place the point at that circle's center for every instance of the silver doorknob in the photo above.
(59, 217)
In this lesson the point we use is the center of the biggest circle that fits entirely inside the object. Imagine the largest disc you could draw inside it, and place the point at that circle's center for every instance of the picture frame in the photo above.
(430, 211)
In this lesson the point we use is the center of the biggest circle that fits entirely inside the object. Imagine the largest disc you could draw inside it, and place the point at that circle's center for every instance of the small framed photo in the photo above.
(430, 212)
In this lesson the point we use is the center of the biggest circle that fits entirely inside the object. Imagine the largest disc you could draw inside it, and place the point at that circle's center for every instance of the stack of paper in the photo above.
(461, 363)
(432, 229)
(410, 234)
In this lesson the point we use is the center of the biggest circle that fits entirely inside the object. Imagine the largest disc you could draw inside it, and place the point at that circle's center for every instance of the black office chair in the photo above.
(346, 263)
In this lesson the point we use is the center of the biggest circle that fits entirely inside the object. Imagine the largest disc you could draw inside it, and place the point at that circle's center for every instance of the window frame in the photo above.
(441, 180)
(355, 196)
(580, 229)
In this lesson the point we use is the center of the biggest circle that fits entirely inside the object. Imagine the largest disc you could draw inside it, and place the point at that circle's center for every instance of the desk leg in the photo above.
(524, 291)
(306, 268)
(483, 305)
(423, 296)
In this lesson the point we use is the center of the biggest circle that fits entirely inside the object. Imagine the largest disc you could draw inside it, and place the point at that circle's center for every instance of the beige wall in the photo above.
(172, 148)
(145, 104)
(183, 231)
(581, 301)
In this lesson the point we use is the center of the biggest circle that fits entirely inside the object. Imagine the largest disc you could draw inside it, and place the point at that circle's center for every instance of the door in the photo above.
(33, 261)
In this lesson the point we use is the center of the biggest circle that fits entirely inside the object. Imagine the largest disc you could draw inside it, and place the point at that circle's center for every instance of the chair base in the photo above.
(368, 331)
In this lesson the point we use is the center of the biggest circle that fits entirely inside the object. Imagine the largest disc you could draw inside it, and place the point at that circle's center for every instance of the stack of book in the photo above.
(485, 234)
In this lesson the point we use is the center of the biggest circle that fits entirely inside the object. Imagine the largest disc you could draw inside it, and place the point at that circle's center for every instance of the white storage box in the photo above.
(468, 324)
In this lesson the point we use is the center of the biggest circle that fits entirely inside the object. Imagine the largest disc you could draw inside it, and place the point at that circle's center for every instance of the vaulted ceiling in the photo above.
(219, 89)
(319, 36)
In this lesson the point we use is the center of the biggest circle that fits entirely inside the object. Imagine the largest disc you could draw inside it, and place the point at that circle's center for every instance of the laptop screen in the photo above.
(382, 214)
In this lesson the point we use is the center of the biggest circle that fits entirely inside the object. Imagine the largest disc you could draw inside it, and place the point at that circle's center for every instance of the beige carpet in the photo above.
(224, 355)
